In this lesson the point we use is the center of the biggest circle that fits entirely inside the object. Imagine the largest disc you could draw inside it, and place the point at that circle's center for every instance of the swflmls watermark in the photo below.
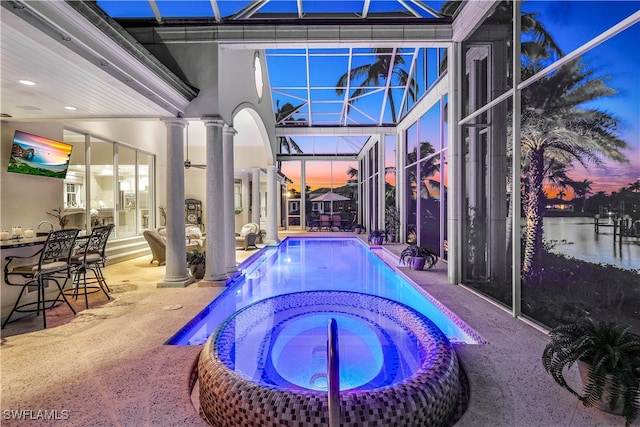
(40, 414)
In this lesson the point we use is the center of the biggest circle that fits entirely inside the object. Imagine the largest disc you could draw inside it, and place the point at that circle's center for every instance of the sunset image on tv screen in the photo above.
(35, 155)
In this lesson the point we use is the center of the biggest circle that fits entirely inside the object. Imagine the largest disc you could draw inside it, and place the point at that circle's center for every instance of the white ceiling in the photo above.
(62, 78)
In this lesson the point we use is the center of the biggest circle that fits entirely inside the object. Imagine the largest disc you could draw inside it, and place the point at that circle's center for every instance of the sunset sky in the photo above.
(572, 24)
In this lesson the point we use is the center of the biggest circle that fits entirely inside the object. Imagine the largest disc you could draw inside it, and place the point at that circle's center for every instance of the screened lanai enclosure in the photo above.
(495, 138)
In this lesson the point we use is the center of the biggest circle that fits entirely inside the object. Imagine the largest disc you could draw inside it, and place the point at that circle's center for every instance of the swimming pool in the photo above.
(301, 264)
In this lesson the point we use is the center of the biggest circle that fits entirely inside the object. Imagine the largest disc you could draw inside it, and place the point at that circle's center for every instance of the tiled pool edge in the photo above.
(429, 397)
(444, 309)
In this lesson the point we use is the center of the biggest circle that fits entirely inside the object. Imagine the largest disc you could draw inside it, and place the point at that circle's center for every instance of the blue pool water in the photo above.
(281, 342)
(267, 363)
(316, 264)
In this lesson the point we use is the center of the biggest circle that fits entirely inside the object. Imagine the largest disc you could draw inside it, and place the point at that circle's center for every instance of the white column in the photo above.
(456, 157)
(255, 196)
(381, 190)
(176, 264)
(216, 273)
(229, 204)
(516, 202)
(272, 206)
(303, 195)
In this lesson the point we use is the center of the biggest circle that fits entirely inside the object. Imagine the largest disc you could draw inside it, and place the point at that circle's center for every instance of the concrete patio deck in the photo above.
(108, 365)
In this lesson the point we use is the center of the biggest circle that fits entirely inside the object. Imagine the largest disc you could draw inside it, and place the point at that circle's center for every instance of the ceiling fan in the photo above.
(187, 162)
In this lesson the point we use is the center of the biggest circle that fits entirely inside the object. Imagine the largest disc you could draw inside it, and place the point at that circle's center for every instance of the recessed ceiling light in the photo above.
(70, 107)
(27, 82)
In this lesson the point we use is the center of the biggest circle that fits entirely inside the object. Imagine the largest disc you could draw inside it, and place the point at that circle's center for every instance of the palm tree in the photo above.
(428, 168)
(561, 194)
(634, 186)
(352, 172)
(540, 44)
(580, 190)
(555, 175)
(555, 128)
(284, 116)
(386, 64)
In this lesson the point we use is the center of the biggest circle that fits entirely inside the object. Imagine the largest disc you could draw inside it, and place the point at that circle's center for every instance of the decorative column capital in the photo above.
(213, 121)
(175, 121)
(229, 130)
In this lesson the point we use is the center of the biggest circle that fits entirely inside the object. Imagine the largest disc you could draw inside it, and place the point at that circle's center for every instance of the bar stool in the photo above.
(90, 258)
(53, 265)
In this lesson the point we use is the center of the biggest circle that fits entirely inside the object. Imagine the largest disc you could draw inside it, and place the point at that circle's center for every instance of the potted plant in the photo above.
(608, 357)
(61, 215)
(376, 237)
(417, 257)
(392, 222)
(358, 228)
(196, 260)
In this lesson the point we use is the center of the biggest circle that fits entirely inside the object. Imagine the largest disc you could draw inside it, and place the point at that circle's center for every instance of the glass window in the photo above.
(102, 182)
(292, 170)
(146, 173)
(390, 170)
(430, 203)
(412, 144)
(75, 185)
(126, 206)
(487, 228)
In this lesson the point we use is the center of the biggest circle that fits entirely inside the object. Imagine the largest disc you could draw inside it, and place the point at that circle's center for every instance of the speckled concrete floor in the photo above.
(108, 365)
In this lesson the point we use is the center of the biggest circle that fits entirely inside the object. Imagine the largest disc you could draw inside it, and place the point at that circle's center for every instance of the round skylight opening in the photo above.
(257, 70)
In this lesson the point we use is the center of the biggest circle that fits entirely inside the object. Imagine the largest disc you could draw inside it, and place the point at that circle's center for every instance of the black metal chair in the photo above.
(54, 264)
(90, 258)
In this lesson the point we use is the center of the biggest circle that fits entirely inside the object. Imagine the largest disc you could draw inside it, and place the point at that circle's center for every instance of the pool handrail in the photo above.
(333, 374)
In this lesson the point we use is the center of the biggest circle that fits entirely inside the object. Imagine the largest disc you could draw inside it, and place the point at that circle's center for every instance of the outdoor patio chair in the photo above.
(336, 221)
(325, 221)
(90, 258)
(313, 223)
(54, 264)
(157, 245)
(247, 236)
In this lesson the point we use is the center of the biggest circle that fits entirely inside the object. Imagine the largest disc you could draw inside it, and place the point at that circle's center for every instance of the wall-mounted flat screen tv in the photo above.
(36, 155)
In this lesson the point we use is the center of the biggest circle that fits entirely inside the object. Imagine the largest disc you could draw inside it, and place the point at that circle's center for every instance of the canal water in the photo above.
(582, 242)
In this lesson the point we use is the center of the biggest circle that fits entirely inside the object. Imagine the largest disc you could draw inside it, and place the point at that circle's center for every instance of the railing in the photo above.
(333, 374)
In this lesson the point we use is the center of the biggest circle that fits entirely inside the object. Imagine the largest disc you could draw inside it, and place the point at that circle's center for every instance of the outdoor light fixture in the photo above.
(257, 74)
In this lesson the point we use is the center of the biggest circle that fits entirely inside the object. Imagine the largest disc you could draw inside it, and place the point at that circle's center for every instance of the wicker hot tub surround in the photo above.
(427, 396)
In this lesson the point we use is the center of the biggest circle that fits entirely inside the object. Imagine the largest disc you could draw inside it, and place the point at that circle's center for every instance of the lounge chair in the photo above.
(157, 240)
(247, 236)
(157, 244)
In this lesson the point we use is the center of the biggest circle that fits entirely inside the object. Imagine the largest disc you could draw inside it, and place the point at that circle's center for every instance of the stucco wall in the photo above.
(26, 198)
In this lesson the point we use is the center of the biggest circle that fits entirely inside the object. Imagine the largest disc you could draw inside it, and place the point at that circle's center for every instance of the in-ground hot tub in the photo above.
(266, 364)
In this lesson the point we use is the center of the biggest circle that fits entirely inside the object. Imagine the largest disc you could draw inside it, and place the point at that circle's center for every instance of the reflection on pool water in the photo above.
(311, 264)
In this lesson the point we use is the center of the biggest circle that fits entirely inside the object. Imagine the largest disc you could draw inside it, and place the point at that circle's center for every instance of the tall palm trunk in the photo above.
(535, 201)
